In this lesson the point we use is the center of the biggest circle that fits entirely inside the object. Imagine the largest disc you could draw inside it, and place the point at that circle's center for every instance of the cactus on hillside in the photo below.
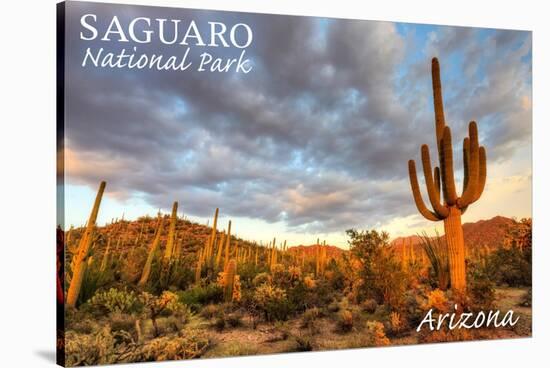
(210, 248)
(84, 251)
(440, 182)
(171, 233)
(198, 267)
(229, 274)
(227, 245)
(152, 251)
(105, 259)
(221, 245)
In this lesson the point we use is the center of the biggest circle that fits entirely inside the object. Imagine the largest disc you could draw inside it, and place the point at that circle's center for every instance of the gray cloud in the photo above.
(317, 136)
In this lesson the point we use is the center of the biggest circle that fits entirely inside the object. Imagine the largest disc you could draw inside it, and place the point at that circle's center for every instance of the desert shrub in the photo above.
(199, 296)
(122, 322)
(115, 301)
(190, 345)
(309, 282)
(437, 300)
(94, 280)
(444, 335)
(83, 326)
(101, 347)
(303, 343)
(413, 305)
(510, 266)
(481, 291)
(283, 278)
(177, 274)
(369, 305)
(219, 322)
(383, 277)
(396, 324)
(436, 251)
(237, 348)
(261, 278)
(335, 276)
(309, 317)
(345, 321)
(132, 265)
(210, 311)
(165, 304)
(526, 299)
(234, 320)
(375, 334)
(272, 302)
(333, 307)
(302, 297)
(247, 274)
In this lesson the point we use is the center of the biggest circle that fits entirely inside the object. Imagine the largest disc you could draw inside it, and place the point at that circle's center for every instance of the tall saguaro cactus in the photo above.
(171, 233)
(440, 183)
(84, 251)
(151, 255)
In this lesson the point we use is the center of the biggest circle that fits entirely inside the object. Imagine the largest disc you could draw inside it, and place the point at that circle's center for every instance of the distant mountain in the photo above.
(481, 234)
(488, 233)
(332, 251)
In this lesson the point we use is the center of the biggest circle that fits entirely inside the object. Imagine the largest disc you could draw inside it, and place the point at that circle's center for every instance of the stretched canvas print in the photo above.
(242, 184)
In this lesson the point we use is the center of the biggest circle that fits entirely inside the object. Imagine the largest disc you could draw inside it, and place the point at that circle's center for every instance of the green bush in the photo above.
(481, 291)
(199, 296)
(272, 302)
(309, 317)
(510, 266)
(115, 301)
(369, 305)
(209, 311)
(190, 345)
(345, 321)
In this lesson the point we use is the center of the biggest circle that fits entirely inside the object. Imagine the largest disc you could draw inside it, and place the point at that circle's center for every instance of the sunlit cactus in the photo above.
(219, 253)
(229, 274)
(198, 267)
(227, 245)
(84, 251)
(440, 183)
(151, 255)
(105, 259)
(171, 233)
(210, 247)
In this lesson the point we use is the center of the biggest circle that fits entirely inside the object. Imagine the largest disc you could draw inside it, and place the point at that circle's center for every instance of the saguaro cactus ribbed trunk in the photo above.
(229, 279)
(83, 251)
(150, 257)
(171, 233)
(440, 182)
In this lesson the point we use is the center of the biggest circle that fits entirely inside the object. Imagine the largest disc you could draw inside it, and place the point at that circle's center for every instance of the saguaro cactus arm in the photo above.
(433, 193)
(438, 103)
(437, 182)
(482, 173)
(171, 233)
(151, 255)
(418, 197)
(448, 177)
(474, 168)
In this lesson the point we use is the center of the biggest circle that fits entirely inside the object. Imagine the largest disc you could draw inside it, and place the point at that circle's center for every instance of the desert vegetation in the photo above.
(163, 287)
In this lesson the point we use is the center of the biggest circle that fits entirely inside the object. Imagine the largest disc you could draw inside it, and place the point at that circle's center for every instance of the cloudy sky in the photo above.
(313, 141)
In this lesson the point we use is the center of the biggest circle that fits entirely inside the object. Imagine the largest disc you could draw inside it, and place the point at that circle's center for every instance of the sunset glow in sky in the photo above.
(314, 141)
